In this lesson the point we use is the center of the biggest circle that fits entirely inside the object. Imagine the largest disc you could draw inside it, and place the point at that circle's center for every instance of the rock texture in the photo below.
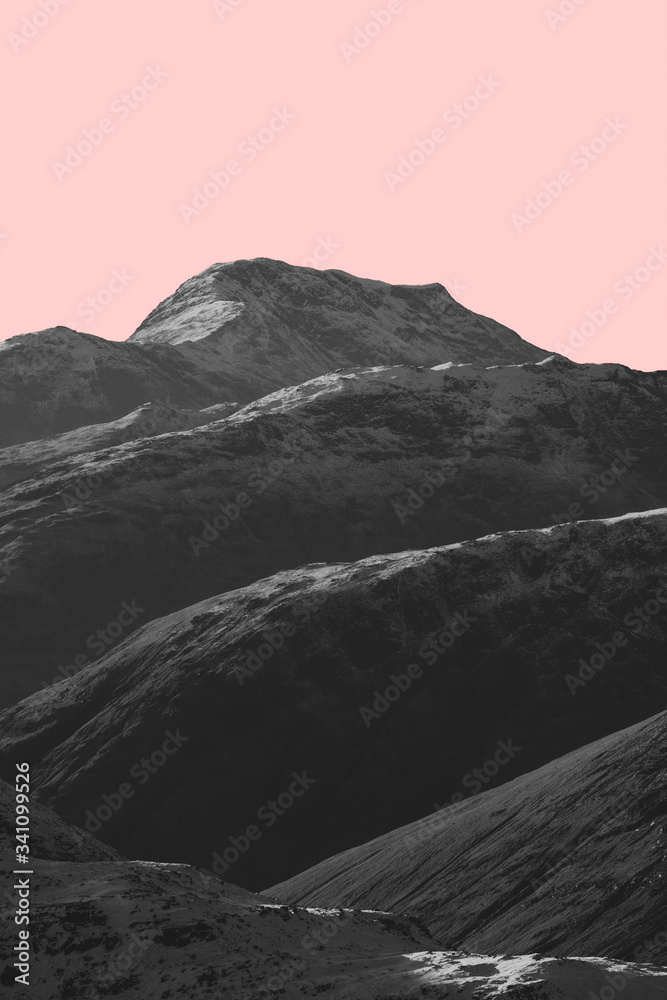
(103, 926)
(269, 682)
(278, 324)
(141, 930)
(570, 859)
(346, 465)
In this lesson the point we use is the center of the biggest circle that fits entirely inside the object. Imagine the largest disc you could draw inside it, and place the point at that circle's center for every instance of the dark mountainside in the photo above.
(51, 837)
(306, 558)
(271, 680)
(344, 466)
(568, 860)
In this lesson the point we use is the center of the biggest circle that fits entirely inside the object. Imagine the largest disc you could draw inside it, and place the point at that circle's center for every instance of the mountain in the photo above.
(357, 695)
(279, 324)
(332, 585)
(570, 859)
(236, 332)
(343, 466)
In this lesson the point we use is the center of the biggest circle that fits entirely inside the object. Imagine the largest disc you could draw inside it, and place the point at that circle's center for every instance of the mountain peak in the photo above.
(305, 322)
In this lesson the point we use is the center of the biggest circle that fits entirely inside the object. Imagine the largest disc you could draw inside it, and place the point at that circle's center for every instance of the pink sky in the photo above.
(533, 85)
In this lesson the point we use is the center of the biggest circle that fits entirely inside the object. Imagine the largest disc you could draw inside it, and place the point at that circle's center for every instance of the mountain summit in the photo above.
(265, 310)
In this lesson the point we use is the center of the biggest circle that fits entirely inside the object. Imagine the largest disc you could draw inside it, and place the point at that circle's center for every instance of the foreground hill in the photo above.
(569, 859)
(141, 930)
(328, 705)
(341, 467)
(236, 332)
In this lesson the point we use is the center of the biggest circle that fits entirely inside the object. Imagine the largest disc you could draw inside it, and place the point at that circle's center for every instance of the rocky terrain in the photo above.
(144, 930)
(280, 324)
(350, 464)
(102, 926)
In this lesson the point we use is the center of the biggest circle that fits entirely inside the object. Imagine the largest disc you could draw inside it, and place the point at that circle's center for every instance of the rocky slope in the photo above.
(361, 693)
(140, 930)
(570, 859)
(346, 465)
(281, 324)
(24, 461)
(238, 331)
